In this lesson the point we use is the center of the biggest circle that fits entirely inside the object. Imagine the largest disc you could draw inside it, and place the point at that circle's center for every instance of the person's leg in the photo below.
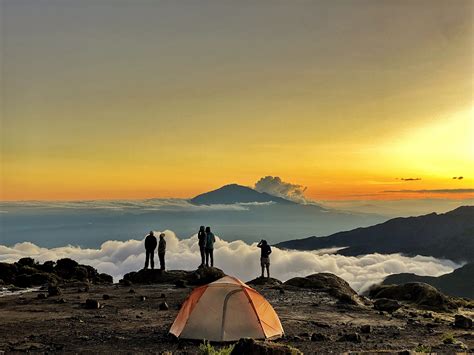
(162, 261)
(147, 258)
(268, 270)
(207, 257)
(203, 255)
(212, 257)
(152, 260)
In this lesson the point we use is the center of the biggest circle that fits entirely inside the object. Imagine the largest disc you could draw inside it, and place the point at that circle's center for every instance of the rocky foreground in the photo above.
(320, 313)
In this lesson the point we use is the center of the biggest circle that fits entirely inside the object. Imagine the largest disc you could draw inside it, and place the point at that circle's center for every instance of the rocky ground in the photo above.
(321, 315)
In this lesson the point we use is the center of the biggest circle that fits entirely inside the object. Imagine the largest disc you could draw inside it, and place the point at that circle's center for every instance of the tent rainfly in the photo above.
(226, 310)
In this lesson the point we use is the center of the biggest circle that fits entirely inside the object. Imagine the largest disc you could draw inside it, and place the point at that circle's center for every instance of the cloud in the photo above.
(410, 179)
(236, 258)
(274, 186)
(436, 191)
(170, 205)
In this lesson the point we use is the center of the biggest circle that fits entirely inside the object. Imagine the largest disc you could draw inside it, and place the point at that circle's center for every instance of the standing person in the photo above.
(162, 251)
(210, 240)
(150, 246)
(202, 236)
(265, 256)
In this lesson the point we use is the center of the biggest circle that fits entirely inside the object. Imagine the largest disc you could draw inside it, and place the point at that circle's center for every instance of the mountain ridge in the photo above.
(234, 193)
(448, 235)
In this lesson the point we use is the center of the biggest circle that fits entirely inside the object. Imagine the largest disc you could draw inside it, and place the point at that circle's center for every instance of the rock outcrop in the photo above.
(419, 294)
(265, 281)
(180, 278)
(28, 273)
(329, 283)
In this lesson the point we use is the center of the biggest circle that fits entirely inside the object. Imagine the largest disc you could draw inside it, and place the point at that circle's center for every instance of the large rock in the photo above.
(264, 281)
(461, 321)
(202, 276)
(387, 305)
(420, 294)
(249, 346)
(155, 276)
(205, 275)
(27, 273)
(329, 283)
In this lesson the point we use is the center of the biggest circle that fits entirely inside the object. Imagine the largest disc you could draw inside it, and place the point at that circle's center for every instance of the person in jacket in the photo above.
(150, 246)
(202, 236)
(210, 240)
(265, 252)
(162, 251)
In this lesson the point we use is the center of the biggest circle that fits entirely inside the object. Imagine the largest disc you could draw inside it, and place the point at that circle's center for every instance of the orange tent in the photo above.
(226, 310)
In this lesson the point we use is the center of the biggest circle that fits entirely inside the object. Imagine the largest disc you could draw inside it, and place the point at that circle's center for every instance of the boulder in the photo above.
(366, 329)
(105, 297)
(461, 321)
(92, 304)
(26, 262)
(205, 275)
(104, 278)
(37, 279)
(256, 347)
(53, 290)
(163, 306)
(386, 305)
(155, 276)
(66, 268)
(8, 272)
(329, 283)
(420, 294)
(264, 281)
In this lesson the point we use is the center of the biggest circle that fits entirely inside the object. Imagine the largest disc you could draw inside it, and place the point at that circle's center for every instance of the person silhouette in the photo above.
(202, 236)
(210, 240)
(162, 251)
(150, 246)
(265, 256)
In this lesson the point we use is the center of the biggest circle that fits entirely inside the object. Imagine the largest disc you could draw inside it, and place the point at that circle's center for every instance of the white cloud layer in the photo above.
(274, 185)
(236, 258)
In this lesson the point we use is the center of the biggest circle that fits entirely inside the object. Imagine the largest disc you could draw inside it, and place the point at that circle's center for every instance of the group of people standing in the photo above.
(206, 240)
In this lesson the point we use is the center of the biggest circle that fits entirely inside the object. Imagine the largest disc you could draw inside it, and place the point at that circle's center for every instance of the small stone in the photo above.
(142, 298)
(366, 329)
(352, 337)
(92, 304)
(61, 300)
(163, 295)
(164, 306)
(461, 321)
(41, 296)
(53, 290)
(427, 315)
(105, 297)
(131, 290)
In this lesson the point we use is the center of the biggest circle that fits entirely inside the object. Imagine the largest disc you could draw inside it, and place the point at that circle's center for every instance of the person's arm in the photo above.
(259, 244)
(269, 250)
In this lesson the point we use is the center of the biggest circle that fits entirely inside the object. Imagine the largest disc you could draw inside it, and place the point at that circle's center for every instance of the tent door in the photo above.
(224, 309)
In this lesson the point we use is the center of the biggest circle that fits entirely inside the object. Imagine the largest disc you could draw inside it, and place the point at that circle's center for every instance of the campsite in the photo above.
(138, 316)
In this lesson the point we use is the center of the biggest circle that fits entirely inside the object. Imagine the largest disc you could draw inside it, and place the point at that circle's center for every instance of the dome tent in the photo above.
(226, 310)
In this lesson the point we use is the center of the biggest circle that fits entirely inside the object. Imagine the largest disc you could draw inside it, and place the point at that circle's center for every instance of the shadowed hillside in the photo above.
(449, 235)
(455, 284)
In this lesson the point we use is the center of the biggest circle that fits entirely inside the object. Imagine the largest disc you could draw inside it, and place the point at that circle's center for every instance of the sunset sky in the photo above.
(138, 99)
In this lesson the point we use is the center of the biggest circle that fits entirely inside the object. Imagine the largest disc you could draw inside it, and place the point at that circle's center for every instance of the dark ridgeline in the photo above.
(459, 283)
(233, 193)
(449, 235)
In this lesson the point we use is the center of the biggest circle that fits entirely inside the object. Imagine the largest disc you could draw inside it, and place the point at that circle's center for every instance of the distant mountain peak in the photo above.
(235, 193)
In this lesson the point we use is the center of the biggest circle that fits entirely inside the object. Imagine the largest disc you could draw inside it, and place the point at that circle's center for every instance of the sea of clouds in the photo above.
(236, 258)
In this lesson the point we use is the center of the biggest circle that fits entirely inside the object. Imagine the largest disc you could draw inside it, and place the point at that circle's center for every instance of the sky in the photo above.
(110, 99)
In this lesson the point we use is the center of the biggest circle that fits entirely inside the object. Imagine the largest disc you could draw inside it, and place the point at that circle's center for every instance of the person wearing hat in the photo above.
(162, 251)
(150, 246)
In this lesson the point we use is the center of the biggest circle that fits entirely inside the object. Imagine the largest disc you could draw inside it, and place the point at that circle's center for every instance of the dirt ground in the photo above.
(128, 323)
